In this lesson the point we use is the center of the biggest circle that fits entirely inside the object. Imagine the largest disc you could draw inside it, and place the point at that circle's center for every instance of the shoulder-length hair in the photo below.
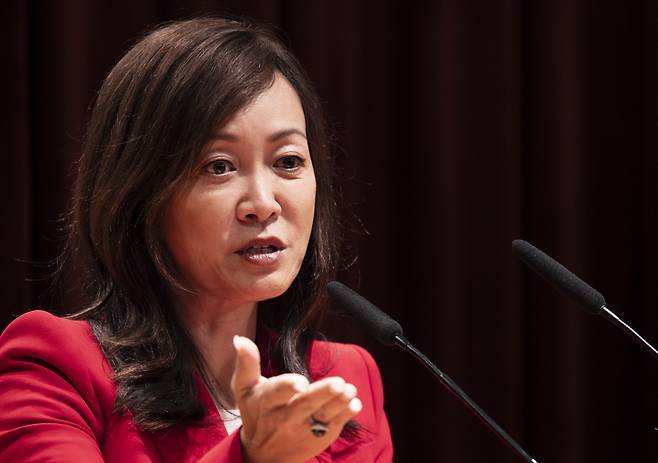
(156, 110)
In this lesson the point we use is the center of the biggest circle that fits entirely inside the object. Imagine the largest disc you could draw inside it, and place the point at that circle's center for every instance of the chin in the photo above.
(261, 292)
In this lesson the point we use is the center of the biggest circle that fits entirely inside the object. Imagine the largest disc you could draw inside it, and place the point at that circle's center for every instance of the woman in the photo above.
(202, 219)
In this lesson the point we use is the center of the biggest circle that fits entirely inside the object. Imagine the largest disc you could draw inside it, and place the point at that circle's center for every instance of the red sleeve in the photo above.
(50, 409)
(383, 445)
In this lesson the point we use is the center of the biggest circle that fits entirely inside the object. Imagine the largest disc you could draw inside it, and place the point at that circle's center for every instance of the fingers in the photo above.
(277, 412)
(330, 398)
(353, 408)
(280, 389)
(332, 409)
(246, 373)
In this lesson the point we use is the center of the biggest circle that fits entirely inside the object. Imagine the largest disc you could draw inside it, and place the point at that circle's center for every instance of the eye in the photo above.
(290, 163)
(219, 167)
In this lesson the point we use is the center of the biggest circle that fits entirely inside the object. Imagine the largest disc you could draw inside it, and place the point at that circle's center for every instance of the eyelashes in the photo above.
(289, 164)
(219, 167)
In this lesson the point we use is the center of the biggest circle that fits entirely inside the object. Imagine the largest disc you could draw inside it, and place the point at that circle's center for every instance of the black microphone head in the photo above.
(559, 276)
(373, 320)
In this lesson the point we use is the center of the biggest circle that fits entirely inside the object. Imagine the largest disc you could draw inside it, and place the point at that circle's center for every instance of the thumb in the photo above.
(246, 373)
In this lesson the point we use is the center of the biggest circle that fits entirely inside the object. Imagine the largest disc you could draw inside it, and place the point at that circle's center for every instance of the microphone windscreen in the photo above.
(559, 276)
(374, 321)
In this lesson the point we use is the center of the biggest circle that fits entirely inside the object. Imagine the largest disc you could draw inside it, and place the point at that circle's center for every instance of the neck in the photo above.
(212, 325)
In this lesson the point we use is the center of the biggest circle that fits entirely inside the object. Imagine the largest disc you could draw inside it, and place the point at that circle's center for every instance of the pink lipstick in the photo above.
(262, 251)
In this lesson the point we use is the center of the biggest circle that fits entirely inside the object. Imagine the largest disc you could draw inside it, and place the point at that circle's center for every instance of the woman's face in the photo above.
(239, 228)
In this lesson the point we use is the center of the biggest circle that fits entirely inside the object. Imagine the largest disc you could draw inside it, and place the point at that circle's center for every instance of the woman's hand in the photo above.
(276, 412)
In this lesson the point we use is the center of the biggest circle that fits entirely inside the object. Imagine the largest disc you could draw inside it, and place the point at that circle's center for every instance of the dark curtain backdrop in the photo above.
(460, 125)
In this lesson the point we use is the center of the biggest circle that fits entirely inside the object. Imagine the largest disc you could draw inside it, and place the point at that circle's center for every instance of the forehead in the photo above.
(277, 108)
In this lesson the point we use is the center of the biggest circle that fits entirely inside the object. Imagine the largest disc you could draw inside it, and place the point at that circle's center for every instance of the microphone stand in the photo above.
(615, 320)
(456, 391)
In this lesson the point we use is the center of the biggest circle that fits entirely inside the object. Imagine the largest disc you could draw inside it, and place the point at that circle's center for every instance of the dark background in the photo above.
(461, 125)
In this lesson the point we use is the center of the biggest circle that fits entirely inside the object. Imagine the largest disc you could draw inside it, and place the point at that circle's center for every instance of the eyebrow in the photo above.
(272, 138)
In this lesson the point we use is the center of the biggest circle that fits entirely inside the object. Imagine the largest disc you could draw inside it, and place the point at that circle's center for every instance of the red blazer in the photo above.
(57, 400)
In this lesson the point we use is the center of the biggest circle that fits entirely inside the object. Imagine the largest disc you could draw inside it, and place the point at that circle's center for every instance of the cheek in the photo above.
(192, 227)
(306, 207)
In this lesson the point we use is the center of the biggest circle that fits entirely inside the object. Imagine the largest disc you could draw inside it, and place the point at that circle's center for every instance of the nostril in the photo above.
(255, 213)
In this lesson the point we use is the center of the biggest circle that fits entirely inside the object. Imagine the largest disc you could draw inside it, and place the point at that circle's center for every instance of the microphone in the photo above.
(389, 332)
(568, 283)
(378, 324)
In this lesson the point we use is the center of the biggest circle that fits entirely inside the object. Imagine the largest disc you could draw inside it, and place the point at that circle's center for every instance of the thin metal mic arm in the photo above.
(456, 391)
(615, 320)
(388, 332)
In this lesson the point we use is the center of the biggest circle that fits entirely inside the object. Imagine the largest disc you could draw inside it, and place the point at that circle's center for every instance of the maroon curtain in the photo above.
(460, 126)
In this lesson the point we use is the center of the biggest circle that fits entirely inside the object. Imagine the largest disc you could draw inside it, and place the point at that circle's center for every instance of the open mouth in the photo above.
(264, 250)
(254, 250)
(261, 254)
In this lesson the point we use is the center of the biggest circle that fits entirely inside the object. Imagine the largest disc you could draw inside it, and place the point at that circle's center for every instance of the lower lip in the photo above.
(264, 259)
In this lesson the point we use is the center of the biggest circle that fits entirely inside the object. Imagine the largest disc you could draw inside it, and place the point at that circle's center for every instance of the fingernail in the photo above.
(355, 405)
(350, 391)
(237, 342)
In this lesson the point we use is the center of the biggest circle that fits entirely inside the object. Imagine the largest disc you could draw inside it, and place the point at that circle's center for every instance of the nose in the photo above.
(259, 202)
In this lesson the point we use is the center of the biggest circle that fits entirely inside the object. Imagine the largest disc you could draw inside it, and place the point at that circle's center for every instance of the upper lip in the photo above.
(262, 242)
